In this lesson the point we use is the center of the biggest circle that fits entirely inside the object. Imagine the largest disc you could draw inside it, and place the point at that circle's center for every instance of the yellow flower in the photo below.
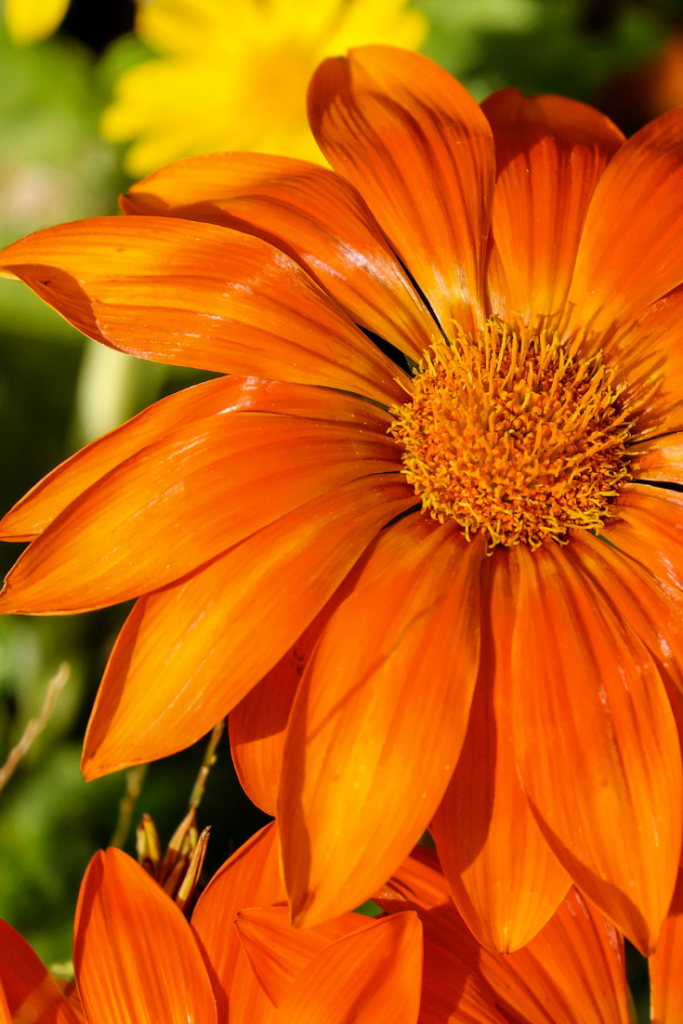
(233, 75)
(30, 20)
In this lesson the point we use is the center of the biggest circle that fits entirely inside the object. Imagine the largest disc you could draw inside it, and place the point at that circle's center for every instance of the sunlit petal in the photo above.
(596, 743)
(419, 150)
(200, 295)
(550, 154)
(505, 880)
(204, 638)
(251, 878)
(408, 678)
(314, 216)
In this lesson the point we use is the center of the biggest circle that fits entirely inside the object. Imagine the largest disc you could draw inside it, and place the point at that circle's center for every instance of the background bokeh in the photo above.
(58, 390)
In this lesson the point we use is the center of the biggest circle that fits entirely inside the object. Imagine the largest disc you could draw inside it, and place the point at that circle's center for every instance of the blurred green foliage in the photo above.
(539, 45)
(55, 167)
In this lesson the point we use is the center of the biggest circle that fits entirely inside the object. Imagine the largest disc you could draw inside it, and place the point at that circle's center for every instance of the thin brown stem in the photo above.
(207, 764)
(36, 725)
(134, 779)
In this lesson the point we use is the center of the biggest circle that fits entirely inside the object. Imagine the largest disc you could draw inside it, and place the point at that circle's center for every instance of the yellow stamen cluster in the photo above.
(513, 435)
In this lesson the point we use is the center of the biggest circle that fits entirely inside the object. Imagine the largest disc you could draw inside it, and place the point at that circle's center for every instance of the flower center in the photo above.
(514, 435)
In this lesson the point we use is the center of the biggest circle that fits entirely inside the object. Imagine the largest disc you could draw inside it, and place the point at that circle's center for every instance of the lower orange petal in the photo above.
(28, 992)
(371, 975)
(574, 970)
(505, 880)
(278, 952)
(453, 987)
(208, 639)
(596, 743)
(135, 956)
(251, 878)
(379, 719)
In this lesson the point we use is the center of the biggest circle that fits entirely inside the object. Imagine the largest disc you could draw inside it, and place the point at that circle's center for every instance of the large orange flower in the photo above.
(439, 486)
(137, 960)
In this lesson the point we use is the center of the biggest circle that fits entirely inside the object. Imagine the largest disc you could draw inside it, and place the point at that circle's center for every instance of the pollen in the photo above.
(514, 435)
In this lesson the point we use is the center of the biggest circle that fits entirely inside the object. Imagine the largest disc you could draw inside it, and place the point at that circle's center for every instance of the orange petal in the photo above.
(648, 528)
(369, 976)
(308, 212)
(418, 880)
(653, 609)
(74, 1000)
(675, 696)
(258, 724)
(399, 656)
(135, 957)
(278, 952)
(200, 295)
(646, 354)
(596, 742)
(659, 459)
(183, 500)
(453, 988)
(666, 973)
(419, 150)
(452, 992)
(505, 880)
(43, 503)
(28, 992)
(251, 878)
(209, 638)
(574, 970)
(630, 254)
(550, 154)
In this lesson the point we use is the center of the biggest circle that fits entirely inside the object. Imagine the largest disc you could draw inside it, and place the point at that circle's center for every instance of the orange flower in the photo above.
(441, 476)
(137, 960)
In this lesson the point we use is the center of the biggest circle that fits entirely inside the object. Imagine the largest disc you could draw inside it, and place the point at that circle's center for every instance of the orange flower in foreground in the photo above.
(431, 513)
(137, 959)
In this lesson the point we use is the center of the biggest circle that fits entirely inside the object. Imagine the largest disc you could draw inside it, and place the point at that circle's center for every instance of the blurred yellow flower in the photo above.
(234, 73)
(30, 20)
